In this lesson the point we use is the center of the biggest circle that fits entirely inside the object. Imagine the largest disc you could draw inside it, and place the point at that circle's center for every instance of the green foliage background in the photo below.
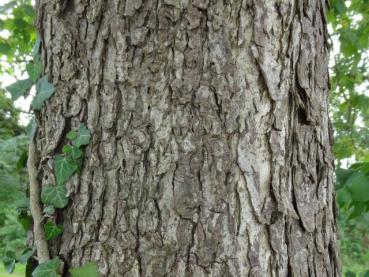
(16, 40)
(349, 21)
(349, 28)
(13, 177)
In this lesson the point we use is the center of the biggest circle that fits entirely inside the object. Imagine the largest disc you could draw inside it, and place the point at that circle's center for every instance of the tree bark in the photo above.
(211, 142)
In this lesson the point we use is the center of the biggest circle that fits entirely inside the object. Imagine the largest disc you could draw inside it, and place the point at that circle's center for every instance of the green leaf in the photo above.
(88, 270)
(55, 195)
(363, 167)
(76, 153)
(19, 88)
(358, 185)
(52, 230)
(339, 6)
(9, 261)
(30, 267)
(44, 90)
(358, 210)
(342, 176)
(64, 167)
(22, 161)
(36, 48)
(49, 210)
(25, 220)
(67, 149)
(34, 70)
(31, 128)
(343, 197)
(48, 269)
(73, 151)
(349, 43)
(83, 137)
(26, 255)
(72, 135)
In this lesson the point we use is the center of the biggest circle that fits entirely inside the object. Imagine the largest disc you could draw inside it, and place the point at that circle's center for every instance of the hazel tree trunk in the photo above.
(211, 149)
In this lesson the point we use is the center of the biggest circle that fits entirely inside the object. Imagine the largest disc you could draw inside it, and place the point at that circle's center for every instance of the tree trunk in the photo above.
(211, 143)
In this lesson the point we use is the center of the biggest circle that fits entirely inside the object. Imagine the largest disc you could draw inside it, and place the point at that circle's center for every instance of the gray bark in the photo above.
(211, 143)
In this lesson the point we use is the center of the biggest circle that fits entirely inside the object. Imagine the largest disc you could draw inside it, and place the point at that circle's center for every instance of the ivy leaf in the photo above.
(64, 167)
(52, 230)
(26, 255)
(72, 135)
(48, 269)
(83, 137)
(36, 48)
(76, 153)
(34, 69)
(54, 195)
(73, 151)
(88, 270)
(9, 261)
(49, 210)
(19, 88)
(44, 90)
(358, 185)
(31, 128)
(67, 149)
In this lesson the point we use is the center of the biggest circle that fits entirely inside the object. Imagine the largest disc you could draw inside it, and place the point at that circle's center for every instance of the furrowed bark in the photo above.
(211, 142)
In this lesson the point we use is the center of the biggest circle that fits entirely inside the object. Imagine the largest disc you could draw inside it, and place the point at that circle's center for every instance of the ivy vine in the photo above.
(65, 165)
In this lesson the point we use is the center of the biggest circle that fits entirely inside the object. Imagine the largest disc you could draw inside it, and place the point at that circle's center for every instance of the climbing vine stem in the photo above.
(44, 200)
